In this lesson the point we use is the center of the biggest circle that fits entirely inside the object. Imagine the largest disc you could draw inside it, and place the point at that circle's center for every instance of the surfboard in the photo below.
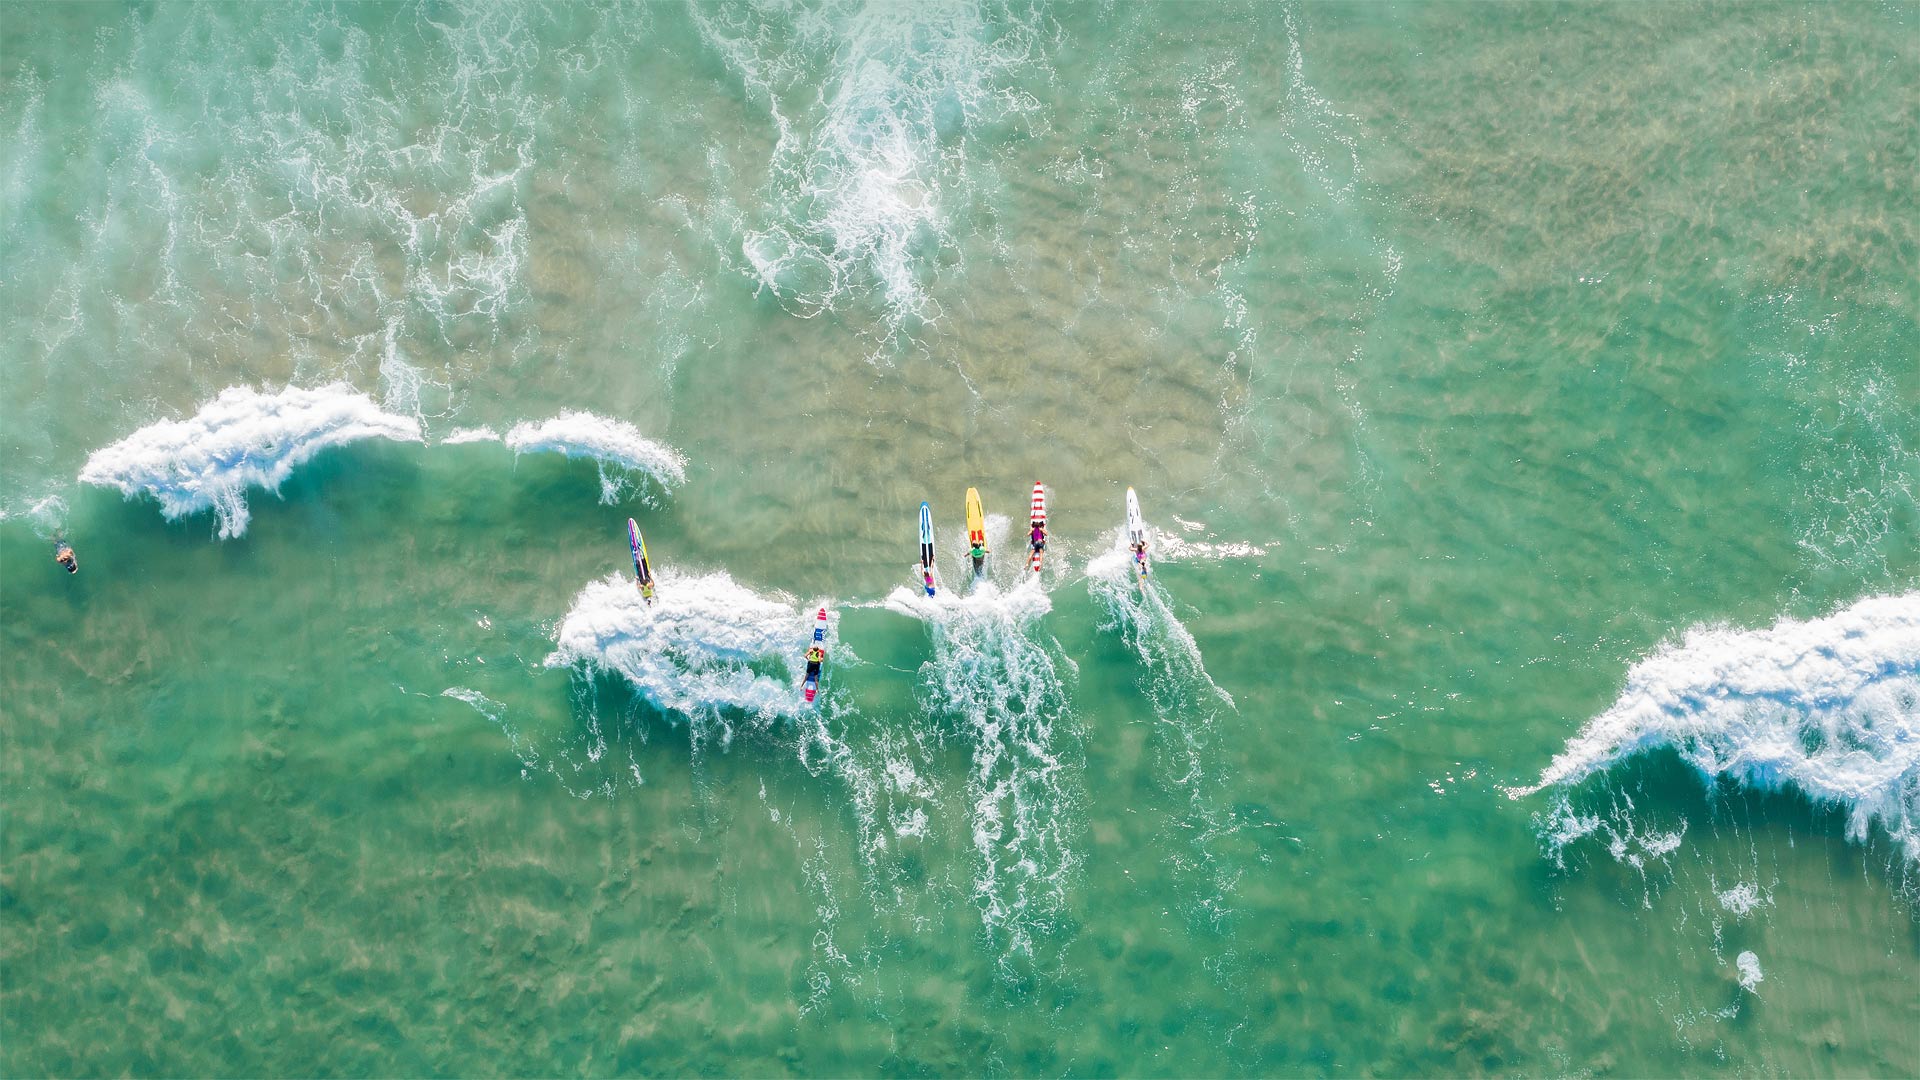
(1136, 533)
(976, 526)
(926, 547)
(812, 684)
(642, 569)
(1037, 519)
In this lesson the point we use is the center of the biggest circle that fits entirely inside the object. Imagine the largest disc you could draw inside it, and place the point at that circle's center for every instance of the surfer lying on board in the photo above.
(1038, 541)
(1139, 551)
(979, 553)
(815, 657)
(63, 554)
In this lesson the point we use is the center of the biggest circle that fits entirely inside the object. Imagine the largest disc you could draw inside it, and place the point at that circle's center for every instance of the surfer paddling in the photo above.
(976, 532)
(1136, 535)
(642, 566)
(1037, 538)
(926, 548)
(816, 656)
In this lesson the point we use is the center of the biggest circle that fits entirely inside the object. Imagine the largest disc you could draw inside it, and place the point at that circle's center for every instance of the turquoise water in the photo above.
(1522, 398)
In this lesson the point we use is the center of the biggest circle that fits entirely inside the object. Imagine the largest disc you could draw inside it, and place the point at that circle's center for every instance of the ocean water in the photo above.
(1523, 400)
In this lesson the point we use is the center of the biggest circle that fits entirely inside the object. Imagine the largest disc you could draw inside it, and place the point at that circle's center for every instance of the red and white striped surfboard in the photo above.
(1039, 520)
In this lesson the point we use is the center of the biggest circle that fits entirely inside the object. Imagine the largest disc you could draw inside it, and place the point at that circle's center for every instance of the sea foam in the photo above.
(704, 646)
(611, 443)
(243, 438)
(992, 673)
(867, 176)
(1829, 706)
(1185, 741)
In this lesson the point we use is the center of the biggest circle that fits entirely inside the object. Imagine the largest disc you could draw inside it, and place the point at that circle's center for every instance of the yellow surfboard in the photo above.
(976, 533)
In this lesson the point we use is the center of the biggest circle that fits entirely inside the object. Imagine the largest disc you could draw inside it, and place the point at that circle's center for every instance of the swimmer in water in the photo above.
(63, 554)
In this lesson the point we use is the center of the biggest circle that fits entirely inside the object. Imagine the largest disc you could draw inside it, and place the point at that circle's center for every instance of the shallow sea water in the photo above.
(1486, 372)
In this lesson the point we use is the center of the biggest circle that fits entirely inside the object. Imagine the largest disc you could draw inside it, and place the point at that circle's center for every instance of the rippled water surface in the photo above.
(1522, 400)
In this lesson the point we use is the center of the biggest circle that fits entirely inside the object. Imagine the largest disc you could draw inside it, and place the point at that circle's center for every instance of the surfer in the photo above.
(1137, 534)
(642, 566)
(816, 655)
(1037, 539)
(63, 554)
(976, 532)
(926, 547)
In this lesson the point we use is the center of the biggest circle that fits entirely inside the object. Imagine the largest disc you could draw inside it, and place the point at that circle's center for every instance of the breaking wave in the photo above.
(1829, 706)
(243, 438)
(613, 445)
(707, 646)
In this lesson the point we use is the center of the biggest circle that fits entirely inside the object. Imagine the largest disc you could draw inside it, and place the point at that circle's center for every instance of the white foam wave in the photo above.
(707, 645)
(1023, 602)
(1750, 974)
(243, 438)
(1829, 706)
(611, 443)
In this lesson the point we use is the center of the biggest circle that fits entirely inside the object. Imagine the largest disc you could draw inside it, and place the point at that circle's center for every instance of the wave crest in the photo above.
(1830, 706)
(610, 443)
(242, 438)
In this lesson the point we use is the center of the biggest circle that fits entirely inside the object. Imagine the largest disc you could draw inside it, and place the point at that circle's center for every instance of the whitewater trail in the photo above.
(991, 673)
(1187, 707)
(243, 438)
(1828, 706)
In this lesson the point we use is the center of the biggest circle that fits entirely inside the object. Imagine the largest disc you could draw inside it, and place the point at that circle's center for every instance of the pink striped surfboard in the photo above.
(1038, 520)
